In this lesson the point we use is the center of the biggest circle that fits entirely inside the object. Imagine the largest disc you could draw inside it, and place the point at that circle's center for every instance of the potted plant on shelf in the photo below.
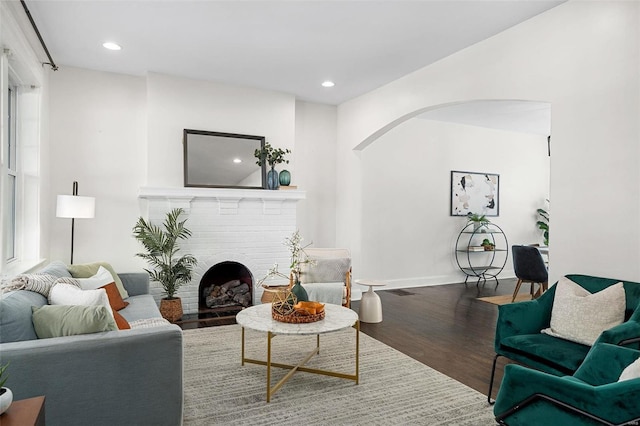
(171, 271)
(6, 396)
(488, 245)
(477, 220)
(272, 156)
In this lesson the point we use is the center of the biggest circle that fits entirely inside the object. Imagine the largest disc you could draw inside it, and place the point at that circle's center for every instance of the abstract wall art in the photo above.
(474, 192)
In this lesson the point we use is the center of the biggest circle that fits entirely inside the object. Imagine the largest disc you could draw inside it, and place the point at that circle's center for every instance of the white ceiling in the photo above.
(286, 46)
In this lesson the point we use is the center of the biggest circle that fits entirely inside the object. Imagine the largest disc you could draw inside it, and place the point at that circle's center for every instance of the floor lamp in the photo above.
(75, 207)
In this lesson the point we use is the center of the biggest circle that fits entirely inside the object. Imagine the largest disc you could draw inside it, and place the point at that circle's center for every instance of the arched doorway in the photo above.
(406, 189)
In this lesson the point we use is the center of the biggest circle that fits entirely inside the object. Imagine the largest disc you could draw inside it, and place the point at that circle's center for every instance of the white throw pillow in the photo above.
(102, 277)
(579, 316)
(632, 371)
(67, 294)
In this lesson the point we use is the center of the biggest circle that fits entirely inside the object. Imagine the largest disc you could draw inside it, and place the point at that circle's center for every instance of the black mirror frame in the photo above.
(187, 132)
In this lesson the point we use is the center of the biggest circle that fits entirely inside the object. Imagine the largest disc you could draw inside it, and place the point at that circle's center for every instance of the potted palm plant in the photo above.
(169, 269)
(6, 396)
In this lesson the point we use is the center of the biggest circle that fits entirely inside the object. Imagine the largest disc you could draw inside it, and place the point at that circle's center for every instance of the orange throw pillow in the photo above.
(115, 300)
(120, 321)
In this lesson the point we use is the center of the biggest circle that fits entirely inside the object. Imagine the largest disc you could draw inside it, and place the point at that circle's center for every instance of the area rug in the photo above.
(504, 299)
(394, 389)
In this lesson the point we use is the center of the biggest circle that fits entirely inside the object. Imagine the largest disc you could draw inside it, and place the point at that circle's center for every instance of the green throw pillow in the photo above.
(90, 269)
(64, 320)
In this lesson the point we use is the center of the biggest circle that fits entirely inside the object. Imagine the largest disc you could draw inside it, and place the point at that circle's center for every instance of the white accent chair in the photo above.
(328, 280)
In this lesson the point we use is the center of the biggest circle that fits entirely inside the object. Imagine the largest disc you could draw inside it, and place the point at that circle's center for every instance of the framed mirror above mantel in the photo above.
(222, 160)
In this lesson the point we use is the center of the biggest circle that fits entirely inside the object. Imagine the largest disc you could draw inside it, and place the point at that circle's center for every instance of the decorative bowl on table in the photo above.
(288, 309)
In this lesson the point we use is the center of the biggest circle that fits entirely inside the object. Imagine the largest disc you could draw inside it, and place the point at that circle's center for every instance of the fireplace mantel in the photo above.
(246, 226)
(147, 192)
(228, 198)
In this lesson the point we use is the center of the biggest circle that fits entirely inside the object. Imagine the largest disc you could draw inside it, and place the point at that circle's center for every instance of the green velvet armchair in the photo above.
(592, 396)
(518, 335)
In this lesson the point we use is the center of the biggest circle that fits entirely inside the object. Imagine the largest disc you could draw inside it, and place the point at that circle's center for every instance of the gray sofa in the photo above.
(125, 377)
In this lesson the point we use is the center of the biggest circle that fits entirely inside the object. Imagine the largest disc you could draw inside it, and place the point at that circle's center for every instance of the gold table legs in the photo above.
(271, 390)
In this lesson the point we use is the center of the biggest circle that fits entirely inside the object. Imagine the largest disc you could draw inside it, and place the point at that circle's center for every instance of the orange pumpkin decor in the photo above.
(309, 308)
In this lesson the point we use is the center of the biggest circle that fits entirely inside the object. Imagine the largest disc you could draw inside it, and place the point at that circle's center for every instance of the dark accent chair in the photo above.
(518, 335)
(592, 396)
(529, 268)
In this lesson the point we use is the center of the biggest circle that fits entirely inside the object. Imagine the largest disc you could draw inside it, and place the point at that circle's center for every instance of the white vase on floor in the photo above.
(6, 398)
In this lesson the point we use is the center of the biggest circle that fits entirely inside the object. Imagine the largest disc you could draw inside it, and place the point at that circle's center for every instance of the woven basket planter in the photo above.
(171, 309)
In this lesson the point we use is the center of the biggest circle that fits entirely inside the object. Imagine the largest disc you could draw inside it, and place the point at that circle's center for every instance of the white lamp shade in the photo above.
(74, 206)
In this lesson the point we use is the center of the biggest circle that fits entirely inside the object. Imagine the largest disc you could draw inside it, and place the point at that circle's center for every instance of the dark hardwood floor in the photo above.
(443, 326)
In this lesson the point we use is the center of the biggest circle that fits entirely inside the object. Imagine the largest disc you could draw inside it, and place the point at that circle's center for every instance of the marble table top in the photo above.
(259, 318)
(371, 283)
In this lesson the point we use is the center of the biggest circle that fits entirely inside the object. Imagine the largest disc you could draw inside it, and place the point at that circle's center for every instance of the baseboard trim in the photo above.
(400, 283)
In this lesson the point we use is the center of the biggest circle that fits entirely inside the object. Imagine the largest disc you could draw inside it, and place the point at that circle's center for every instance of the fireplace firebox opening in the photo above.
(226, 287)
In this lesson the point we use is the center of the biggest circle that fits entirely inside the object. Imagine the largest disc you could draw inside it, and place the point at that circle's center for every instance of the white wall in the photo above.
(115, 133)
(98, 138)
(176, 103)
(408, 235)
(316, 172)
(583, 58)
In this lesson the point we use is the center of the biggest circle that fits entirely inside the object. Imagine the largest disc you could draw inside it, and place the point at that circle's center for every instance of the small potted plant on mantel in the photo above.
(168, 269)
(272, 156)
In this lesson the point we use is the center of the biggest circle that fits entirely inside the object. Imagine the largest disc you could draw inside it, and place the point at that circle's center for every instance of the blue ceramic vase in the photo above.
(272, 179)
(285, 178)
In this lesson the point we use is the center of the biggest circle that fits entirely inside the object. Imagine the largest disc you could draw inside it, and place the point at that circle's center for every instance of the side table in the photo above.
(370, 304)
(24, 412)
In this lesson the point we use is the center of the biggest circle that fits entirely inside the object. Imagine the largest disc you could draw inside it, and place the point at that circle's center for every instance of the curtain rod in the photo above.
(44, 46)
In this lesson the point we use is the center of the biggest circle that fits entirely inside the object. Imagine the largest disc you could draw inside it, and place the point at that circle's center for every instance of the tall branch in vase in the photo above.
(298, 258)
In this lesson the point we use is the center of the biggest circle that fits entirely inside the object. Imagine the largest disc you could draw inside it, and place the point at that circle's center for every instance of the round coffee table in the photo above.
(336, 318)
(370, 304)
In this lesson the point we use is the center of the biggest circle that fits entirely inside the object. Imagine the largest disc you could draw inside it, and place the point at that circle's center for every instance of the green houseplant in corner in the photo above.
(6, 396)
(169, 269)
(543, 224)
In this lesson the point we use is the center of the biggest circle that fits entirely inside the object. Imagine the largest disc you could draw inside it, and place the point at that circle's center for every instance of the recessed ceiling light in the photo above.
(328, 84)
(111, 46)
(237, 160)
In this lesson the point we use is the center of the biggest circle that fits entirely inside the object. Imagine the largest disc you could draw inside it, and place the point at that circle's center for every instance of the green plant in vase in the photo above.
(271, 156)
(477, 220)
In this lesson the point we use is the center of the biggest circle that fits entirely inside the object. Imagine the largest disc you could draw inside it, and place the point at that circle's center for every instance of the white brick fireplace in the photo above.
(247, 226)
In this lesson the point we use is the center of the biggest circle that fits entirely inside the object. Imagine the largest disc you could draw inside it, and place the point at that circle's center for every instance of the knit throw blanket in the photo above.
(39, 283)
